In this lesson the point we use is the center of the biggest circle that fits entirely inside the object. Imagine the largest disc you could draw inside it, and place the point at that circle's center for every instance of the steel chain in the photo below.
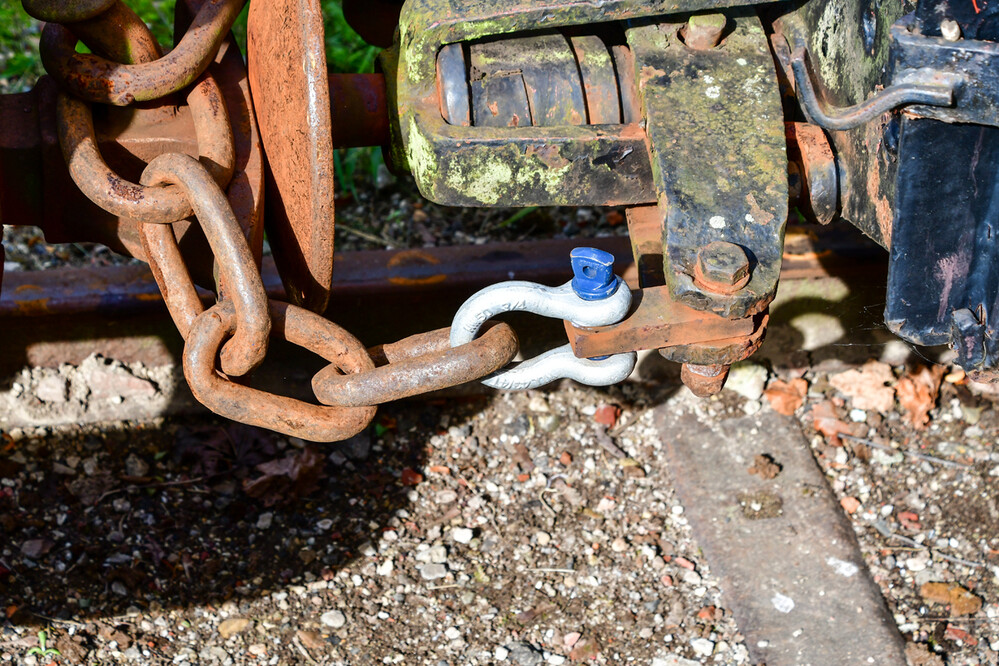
(174, 186)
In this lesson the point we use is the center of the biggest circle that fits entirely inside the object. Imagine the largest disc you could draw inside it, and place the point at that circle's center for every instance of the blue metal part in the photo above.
(594, 273)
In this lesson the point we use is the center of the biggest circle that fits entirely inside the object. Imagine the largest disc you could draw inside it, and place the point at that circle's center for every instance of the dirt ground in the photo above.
(527, 528)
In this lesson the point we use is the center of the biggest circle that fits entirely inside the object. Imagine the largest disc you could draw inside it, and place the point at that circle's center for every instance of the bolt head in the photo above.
(703, 31)
(722, 267)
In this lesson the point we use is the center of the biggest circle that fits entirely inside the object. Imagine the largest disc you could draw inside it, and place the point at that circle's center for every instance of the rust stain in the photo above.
(36, 307)
(414, 258)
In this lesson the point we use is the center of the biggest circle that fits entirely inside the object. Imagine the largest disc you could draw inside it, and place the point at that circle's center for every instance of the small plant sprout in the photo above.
(41, 650)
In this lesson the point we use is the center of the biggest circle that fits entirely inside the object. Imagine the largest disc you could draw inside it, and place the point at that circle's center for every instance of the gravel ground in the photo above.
(526, 528)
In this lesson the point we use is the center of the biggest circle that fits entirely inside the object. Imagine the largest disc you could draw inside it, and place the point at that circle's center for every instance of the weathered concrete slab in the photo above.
(787, 560)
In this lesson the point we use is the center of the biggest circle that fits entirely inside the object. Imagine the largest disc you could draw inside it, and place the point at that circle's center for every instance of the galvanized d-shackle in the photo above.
(594, 297)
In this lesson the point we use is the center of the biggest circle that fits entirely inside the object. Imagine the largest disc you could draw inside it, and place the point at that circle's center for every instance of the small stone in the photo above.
(385, 568)
(501, 653)
(619, 545)
(311, 639)
(438, 554)
(452, 633)
(547, 422)
(747, 379)
(915, 564)
(433, 571)
(333, 619)
(358, 447)
(850, 504)
(525, 654)
(543, 538)
(858, 415)
(265, 520)
(233, 626)
(446, 497)
(462, 535)
(702, 647)
(136, 466)
(35, 548)
(556, 660)
(324, 524)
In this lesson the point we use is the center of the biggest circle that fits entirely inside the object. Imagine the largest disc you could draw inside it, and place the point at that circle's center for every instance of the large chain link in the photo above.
(126, 67)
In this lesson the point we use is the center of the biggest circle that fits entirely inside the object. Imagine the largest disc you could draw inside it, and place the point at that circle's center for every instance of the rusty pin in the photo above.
(702, 32)
(721, 268)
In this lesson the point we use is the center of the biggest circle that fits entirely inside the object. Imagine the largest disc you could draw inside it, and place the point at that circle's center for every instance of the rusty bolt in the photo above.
(703, 381)
(703, 31)
(722, 268)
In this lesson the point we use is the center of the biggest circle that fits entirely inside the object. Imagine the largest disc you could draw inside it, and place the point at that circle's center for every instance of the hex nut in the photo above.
(722, 267)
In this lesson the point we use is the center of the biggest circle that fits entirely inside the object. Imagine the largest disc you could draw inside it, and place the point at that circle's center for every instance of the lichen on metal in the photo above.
(716, 128)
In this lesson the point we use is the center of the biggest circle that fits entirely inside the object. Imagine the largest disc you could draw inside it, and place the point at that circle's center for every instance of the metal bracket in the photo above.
(919, 87)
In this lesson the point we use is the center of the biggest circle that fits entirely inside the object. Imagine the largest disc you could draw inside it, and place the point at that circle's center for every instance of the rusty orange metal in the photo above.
(417, 365)
(288, 78)
(242, 283)
(359, 104)
(254, 407)
(655, 321)
(96, 79)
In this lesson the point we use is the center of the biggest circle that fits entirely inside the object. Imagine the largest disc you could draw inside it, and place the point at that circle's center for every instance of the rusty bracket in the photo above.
(655, 321)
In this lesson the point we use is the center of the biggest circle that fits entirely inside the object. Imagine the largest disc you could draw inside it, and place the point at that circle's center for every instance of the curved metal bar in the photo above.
(559, 303)
(279, 413)
(97, 79)
(561, 363)
(235, 262)
(850, 117)
(419, 364)
(66, 11)
(161, 205)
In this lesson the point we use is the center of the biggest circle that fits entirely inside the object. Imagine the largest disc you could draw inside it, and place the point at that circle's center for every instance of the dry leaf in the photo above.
(826, 421)
(288, 478)
(918, 391)
(961, 600)
(786, 397)
(868, 388)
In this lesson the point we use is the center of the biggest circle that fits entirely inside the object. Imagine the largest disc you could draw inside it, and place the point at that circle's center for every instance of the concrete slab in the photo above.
(788, 562)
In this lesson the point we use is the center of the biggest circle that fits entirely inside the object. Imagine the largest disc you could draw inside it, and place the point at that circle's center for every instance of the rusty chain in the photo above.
(229, 338)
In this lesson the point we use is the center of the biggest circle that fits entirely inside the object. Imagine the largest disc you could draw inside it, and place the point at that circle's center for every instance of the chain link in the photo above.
(230, 338)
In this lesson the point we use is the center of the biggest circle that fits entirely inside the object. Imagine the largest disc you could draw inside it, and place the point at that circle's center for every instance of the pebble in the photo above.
(452, 633)
(433, 571)
(233, 626)
(334, 619)
(265, 520)
(462, 535)
(136, 466)
(385, 568)
(747, 379)
(619, 545)
(438, 554)
(446, 497)
(543, 538)
(524, 654)
(501, 653)
(702, 647)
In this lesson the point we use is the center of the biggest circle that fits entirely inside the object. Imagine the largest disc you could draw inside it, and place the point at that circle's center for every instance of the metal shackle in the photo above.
(595, 297)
